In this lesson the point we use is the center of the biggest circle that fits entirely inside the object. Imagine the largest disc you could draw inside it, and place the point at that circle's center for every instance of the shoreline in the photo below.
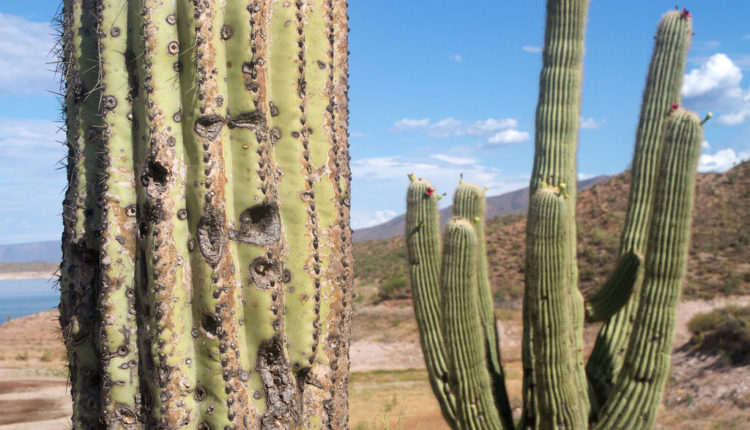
(12, 276)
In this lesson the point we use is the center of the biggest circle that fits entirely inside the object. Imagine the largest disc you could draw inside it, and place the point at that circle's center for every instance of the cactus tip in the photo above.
(486, 188)
(476, 219)
(708, 116)
(412, 177)
(440, 196)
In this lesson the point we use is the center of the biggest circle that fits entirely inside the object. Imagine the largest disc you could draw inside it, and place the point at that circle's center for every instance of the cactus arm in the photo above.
(616, 292)
(78, 271)
(557, 117)
(469, 204)
(468, 374)
(118, 343)
(637, 394)
(423, 248)
(559, 404)
(663, 84)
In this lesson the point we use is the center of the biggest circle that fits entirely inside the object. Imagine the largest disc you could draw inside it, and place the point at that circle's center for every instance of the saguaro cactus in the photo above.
(207, 261)
(622, 384)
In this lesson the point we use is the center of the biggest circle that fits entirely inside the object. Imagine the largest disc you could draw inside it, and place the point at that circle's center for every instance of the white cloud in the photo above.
(591, 123)
(31, 180)
(456, 57)
(734, 118)
(508, 136)
(494, 130)
(25, 51)
(381, 170)
(705, 146)
(532, 48)
(722, 160)
(409, 124)
(583, 176)
(716, 86)
(747, 36)
(453, 160)
(371, 219)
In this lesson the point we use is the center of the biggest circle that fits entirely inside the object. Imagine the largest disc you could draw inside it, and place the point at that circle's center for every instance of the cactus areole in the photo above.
(207, 277)
(621, 385)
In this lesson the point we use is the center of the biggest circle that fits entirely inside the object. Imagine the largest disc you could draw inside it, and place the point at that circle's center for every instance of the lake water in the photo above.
(21, 297)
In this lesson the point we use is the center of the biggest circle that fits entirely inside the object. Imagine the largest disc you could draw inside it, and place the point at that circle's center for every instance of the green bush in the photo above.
(391, 286)
(723, 331)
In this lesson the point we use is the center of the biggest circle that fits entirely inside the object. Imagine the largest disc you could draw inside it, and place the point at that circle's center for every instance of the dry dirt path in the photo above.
(30, 402)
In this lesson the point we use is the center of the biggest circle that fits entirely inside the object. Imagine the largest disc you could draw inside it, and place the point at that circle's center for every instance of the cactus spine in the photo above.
(622, 384)
(207, 265)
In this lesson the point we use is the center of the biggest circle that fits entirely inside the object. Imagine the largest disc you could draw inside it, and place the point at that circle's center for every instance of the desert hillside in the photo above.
(719, 261)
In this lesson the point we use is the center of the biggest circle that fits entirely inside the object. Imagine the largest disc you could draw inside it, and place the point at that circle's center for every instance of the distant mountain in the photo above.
(511, 203)
(36, 251)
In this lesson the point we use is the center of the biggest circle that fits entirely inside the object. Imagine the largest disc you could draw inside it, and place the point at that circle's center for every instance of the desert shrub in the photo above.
(392, 286)
(47, 356)
(723, 331)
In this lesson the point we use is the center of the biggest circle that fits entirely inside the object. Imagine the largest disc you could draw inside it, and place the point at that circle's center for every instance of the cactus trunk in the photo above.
(207, 275)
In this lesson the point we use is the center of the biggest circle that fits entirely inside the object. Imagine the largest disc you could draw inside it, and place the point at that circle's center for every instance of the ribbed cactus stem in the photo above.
(469, 377)
(556, 140)
(469, 204)
(640, 384)
(559, 405)
(81, 212)
(213, 136)
(424, 254)
(118, 345)
(662, 92)
(616, 292)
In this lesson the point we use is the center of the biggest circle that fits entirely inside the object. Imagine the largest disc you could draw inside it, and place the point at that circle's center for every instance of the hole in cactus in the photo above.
(211, 235)
(273, 369)
(263, 272)
(253, 120)
(259, 225)
(200, 394)
(126, 415)
(208, 126)
(210, 325)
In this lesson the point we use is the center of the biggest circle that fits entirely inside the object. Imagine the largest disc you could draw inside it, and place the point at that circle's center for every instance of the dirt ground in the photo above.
(389, 387)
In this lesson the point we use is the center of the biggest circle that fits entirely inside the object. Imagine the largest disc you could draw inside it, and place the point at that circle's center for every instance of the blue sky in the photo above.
(438, 88)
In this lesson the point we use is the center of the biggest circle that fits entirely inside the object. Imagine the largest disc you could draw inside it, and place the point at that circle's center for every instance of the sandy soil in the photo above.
(33, 392)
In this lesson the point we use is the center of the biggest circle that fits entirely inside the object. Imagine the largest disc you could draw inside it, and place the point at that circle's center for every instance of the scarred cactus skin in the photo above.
(622, 385)
(207, 264)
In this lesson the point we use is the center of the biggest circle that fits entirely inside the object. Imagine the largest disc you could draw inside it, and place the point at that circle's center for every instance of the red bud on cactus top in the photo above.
(686, 13)
(675, 106)
(429, 191)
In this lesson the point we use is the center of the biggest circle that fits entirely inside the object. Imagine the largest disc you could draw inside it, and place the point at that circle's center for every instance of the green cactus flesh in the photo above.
(558, 403)
(468, 375)
(469, 204)
(622, 385)
(639, 386)
(662, 92)
(207, 269)
(423, 248)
